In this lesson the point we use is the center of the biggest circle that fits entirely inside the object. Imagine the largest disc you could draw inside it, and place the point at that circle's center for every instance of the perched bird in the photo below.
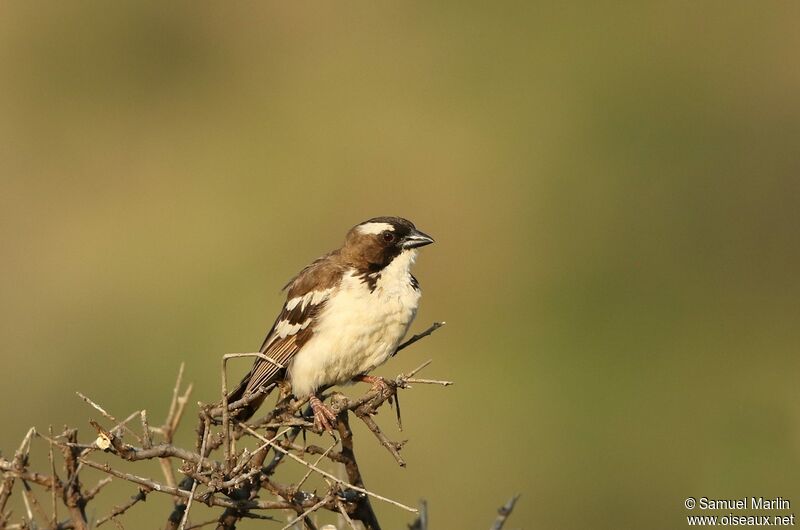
(344, 315)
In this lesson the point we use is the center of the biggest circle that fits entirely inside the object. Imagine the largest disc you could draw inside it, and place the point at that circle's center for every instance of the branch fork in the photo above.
(231, 480)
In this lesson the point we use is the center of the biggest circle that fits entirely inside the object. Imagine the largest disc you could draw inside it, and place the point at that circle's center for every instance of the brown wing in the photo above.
(291, 331)
(307, 294)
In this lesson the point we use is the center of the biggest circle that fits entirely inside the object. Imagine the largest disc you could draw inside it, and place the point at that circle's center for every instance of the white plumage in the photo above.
(358, 329)
(344, 315)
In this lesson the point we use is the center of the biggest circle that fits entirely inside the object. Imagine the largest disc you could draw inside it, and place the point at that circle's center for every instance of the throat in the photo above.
(395, 275)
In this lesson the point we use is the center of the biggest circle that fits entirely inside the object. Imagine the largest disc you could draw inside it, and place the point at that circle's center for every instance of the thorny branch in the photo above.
(216, 473)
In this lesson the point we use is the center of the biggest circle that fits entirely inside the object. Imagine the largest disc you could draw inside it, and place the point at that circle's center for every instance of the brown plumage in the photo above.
(322, 273)
(368, 249)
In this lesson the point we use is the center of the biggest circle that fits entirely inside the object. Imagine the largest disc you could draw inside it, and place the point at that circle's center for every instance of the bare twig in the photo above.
(182, 401)
(173, 404)
(363, 508)
(242, 403)
(147, 441)
(108, 416)
(504, 512)
(419, 336)
(347, 518)
(418, 369)
(231, 481)
(305, 513)
(92, 493)
(124, 424)
(163, 488)
(326, 474)
(30, 496)
(225, 411)
(392, 447)
(10, 470)
(74, 499)
(20, 456)
(26, 500)
(166, 469)
(397, 412)
(316, 463)
(200, 525)
(53, 471)
(427, 381)
(131, 453)
(119, 510)
(198, 469)
(167, 430)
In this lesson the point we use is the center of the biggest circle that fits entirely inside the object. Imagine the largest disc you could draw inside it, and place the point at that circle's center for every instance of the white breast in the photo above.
(358, 329)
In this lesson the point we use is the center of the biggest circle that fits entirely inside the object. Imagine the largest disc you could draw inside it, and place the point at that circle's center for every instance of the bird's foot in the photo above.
(324, 418)
(378, 383)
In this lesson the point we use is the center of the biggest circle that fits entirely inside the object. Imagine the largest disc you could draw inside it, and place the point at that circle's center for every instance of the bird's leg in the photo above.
(324, 418)
(378, 383)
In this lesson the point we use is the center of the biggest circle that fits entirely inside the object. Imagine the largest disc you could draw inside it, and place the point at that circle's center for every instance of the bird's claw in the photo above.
(324, 418)
(378, 384)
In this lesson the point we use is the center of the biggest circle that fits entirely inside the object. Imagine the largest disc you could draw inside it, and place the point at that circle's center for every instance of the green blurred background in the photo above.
(613, 188)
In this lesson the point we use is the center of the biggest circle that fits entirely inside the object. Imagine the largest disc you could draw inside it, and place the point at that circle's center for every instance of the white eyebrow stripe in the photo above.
(374, 228)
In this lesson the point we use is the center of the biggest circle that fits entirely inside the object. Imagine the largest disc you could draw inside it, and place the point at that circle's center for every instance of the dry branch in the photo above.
(504, 512)
(239, 481)
(141, 495)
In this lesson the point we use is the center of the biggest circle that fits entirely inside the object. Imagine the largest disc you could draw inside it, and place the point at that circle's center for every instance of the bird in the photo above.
(344, 315)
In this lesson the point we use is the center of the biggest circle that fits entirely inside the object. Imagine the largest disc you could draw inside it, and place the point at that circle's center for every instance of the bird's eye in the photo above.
(388, 236)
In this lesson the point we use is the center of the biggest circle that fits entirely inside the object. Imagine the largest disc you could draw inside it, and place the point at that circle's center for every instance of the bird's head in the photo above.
(377, 241)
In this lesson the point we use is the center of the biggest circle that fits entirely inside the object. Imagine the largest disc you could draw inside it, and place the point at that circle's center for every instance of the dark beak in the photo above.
(417, 239)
